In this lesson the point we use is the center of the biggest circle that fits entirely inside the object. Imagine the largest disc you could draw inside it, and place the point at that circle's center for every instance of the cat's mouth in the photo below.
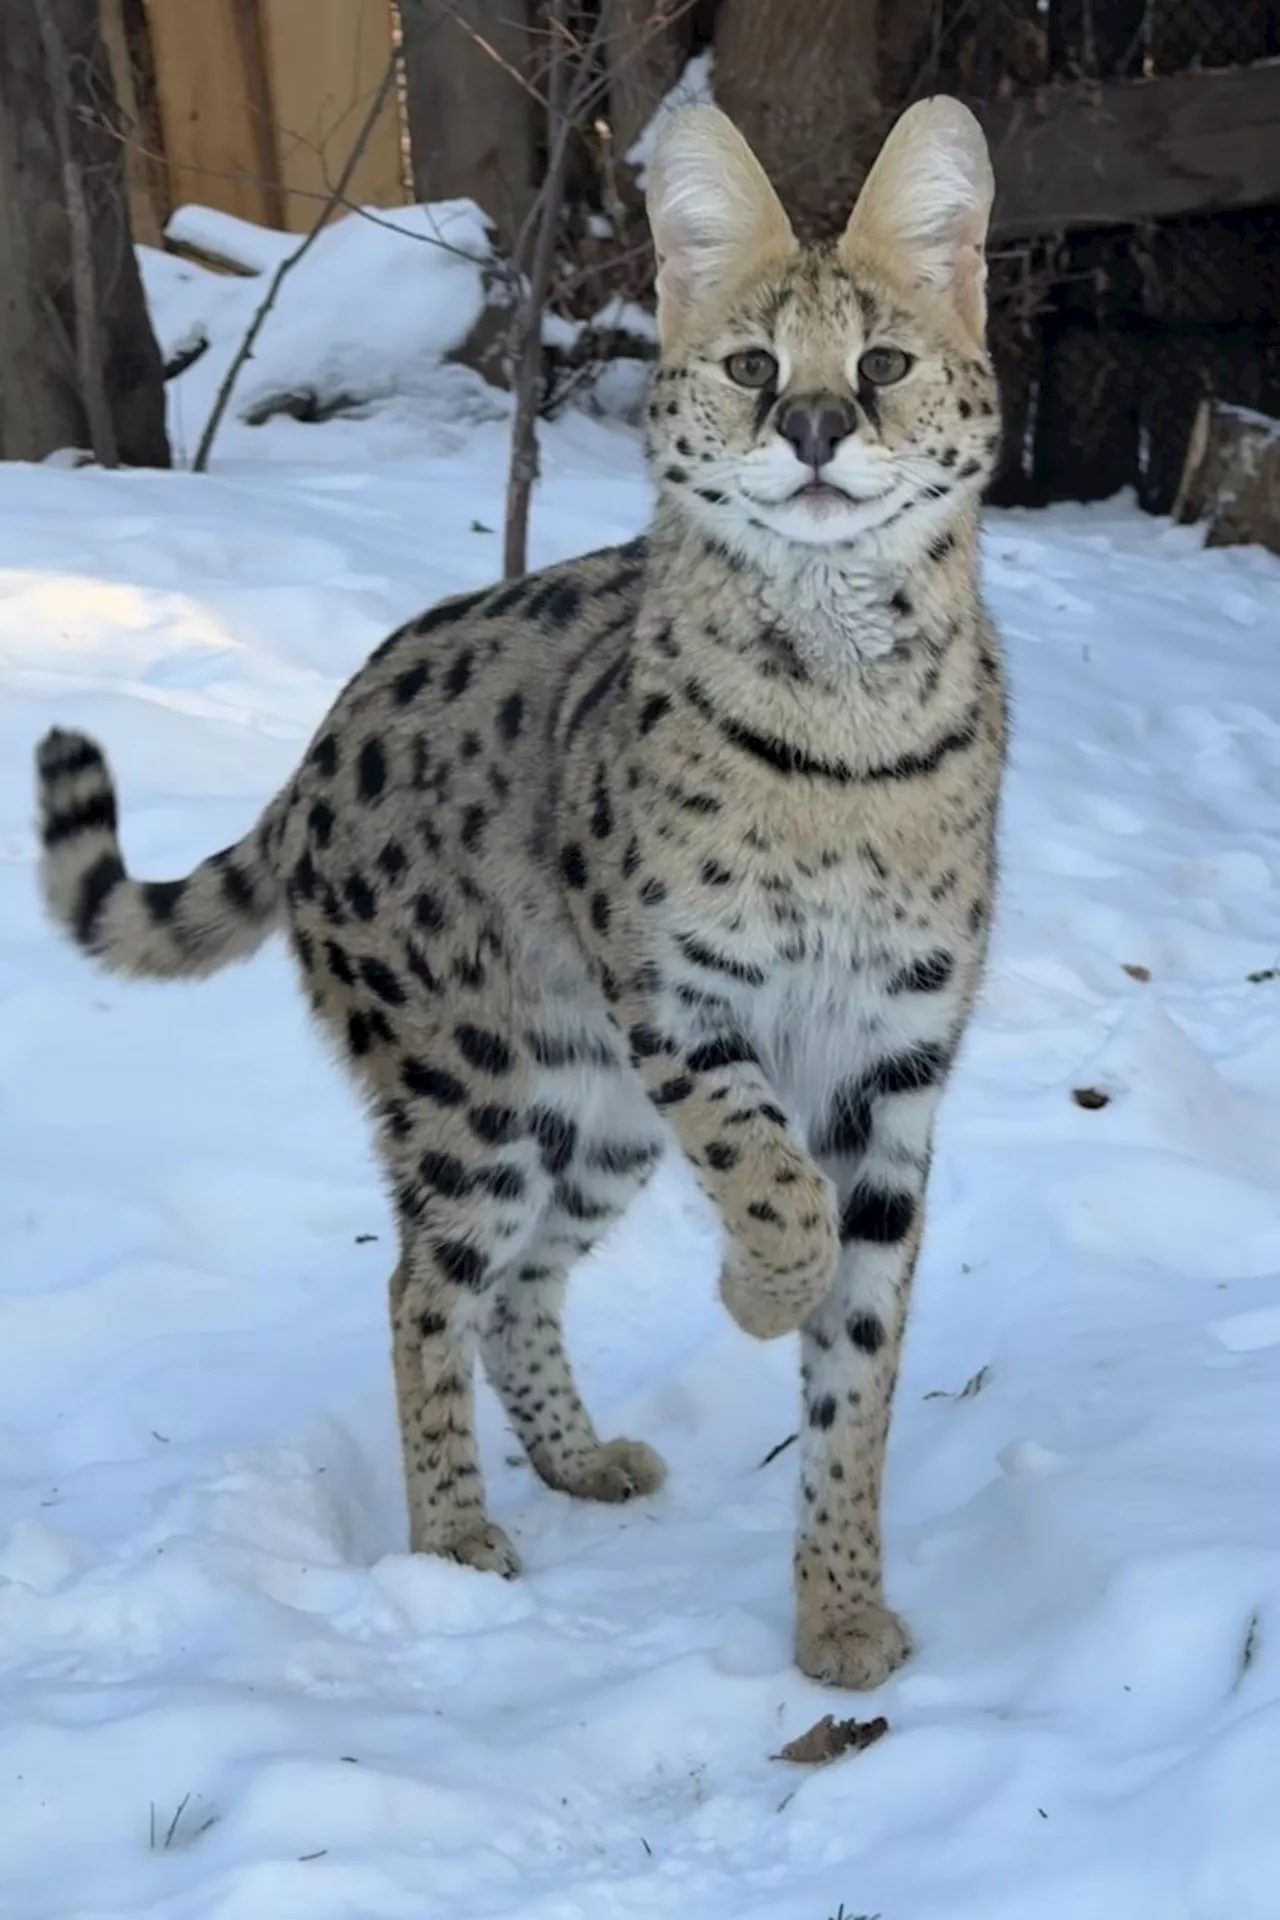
(823, 497)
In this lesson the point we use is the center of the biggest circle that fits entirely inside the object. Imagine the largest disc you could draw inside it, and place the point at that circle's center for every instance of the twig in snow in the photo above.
(178, 1812)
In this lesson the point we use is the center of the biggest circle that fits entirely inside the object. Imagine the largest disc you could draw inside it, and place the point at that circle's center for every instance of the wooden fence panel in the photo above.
(325, 60)
(214, 106)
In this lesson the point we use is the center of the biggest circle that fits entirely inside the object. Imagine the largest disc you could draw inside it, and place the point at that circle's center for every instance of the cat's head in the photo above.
(822, 395)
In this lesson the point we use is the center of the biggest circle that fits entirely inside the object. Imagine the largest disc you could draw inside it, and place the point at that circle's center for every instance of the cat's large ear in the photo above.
(712, 212)
(926, 205)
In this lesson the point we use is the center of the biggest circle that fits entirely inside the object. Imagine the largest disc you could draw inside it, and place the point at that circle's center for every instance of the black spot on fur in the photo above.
(729, 1050)
(488, 1052)
(783, 756)
(339, 963)
(927, 975)
(494, 1125)
(652, 711)
(822, 1414)
(96, 888)
(462, 1263)
(235, 884)
(645, 1042)
(883, 1219)
(573, 867)
(502, 1182)
(379, 979)
(597, 692)
(406, 686)
(921, 1066)
(601, 805)
(324, 755)
(432, 1083)
(162, 898)
(445, 1173)
(320, 818)
(511, 716)
(508, 599)
(766, 1213)
(703, 955)
(458, 677)
(428, 913)
(912, 766)
(866, 1332)
(95, 814)
(303, 879)
(556, 605)
(848, 1128)
(556, 1137)
(601, 912)
(371, 770)
(360, 896)
(621, 1157)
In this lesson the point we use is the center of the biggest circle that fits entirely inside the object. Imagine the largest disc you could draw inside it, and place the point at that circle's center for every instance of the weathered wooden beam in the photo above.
(1094, 154)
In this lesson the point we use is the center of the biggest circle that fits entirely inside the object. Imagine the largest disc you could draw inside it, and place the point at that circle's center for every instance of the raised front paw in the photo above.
(783, 1246)
(859, 1648)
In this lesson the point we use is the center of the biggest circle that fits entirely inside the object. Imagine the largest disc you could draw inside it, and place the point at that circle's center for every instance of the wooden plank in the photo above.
(214, 106)
(326, 59)
(1090, 155)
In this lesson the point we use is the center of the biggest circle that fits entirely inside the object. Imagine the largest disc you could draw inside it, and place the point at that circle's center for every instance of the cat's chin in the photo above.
(820, 516)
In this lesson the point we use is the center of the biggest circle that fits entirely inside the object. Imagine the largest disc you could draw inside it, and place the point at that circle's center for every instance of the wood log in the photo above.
(1231, 478)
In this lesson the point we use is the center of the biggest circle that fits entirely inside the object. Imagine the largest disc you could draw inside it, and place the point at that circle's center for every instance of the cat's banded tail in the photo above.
(154, 929)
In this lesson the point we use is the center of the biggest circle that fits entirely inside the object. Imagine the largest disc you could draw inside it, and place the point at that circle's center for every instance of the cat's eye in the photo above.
(884, 366)
(751, 367)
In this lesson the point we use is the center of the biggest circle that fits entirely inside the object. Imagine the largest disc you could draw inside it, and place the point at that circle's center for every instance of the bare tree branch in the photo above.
(245, 350)
(523, 470)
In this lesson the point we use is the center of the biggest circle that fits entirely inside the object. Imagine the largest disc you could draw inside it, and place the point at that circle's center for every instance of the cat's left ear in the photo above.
(926, 204)
(713, 214)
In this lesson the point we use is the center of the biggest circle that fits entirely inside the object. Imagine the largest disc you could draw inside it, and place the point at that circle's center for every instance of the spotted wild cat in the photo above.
(687, 840)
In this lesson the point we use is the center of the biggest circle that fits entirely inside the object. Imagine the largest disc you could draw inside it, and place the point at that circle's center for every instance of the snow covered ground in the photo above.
(226, 1692)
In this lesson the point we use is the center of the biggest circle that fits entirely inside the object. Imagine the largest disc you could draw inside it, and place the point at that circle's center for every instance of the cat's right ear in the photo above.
(712, 212)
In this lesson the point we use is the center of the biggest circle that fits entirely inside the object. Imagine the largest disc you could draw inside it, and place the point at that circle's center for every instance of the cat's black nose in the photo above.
(816, 426)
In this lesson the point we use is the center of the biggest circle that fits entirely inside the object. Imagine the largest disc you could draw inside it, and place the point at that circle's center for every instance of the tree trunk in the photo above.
(801, 78)
(646, 55)
(55, 150)
(471, 117)
(1231, 481)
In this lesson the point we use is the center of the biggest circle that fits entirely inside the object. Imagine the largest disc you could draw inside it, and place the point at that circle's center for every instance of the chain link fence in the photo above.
(1107, 340)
